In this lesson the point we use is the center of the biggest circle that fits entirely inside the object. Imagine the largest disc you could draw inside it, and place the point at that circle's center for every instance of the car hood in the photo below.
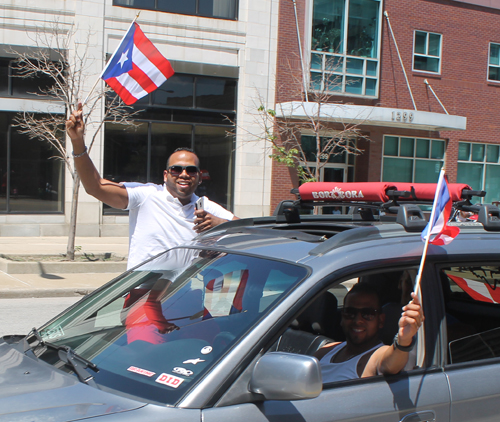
(31, 389)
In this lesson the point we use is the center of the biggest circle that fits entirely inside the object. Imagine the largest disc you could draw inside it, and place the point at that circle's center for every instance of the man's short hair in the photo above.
(191, 150)
(364, 288)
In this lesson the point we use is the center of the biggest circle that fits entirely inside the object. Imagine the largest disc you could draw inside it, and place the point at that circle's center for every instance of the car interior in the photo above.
(319, 323)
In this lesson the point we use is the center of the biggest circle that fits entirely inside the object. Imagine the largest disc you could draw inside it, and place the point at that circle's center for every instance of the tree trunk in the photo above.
(317, 169)
(70, 250)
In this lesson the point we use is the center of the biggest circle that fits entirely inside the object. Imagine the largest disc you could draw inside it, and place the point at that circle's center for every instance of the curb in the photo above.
(43, 293)
(13, 267)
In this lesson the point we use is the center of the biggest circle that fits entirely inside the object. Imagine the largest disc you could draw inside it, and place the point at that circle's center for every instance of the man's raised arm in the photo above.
(106, 191)
(392, 359)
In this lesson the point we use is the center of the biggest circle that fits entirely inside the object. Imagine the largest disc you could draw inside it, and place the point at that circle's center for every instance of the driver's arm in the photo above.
(388, 359)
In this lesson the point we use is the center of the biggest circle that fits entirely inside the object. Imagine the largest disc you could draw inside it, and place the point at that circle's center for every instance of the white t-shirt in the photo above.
(158, 221)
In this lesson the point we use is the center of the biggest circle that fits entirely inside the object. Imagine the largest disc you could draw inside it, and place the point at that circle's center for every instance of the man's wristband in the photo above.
(408, 348)
(81, 154)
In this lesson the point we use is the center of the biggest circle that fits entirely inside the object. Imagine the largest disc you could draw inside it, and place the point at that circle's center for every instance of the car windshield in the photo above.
(154, 332)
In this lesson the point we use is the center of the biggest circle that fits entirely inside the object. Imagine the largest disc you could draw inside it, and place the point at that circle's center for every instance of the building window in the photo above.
(32, 178)
(427, 52)
(494, 62)
(338, 166)
(416, 160)
(12, 85)
(345, 47)
(187, 111)
(479, 167)
(223, 9)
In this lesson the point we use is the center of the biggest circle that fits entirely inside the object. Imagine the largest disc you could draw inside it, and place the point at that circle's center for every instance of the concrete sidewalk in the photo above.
(65, 279)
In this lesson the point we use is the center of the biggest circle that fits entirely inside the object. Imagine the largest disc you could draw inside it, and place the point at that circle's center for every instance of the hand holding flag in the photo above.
(136, 68)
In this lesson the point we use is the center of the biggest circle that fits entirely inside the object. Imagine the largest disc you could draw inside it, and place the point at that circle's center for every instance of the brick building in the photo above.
(422, 91)
(421, 78)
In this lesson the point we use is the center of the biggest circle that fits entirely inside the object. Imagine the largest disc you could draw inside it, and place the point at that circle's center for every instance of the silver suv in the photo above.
(226, 327)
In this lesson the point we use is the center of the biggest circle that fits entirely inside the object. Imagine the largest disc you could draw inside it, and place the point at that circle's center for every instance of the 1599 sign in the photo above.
(402, 116)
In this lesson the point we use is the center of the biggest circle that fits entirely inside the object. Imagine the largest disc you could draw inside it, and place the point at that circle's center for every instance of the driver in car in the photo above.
(363, 354)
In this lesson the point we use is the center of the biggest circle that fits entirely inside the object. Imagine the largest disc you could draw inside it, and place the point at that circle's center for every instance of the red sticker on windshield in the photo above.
(170, 380)
(141, 371)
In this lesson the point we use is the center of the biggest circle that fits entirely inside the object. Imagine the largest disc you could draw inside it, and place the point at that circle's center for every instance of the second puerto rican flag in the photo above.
(136, 67)
(439, 231)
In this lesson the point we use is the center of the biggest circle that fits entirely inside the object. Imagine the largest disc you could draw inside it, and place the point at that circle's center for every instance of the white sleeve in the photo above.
(138, 192)
(217, 210)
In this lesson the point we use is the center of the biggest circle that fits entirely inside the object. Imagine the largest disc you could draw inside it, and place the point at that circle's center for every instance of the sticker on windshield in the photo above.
(170, 380)
(53, 333)
(206, 350)
(193, 361)
(141, 371)
(182, 371)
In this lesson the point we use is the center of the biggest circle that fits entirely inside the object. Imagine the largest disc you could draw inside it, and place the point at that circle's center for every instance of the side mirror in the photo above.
(286, 376)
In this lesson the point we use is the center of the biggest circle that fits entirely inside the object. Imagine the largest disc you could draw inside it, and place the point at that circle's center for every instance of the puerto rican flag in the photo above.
(440, 232)
(477, 290)
(136, 67)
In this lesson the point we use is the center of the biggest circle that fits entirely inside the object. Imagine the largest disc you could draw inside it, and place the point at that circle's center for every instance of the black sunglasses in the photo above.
(368, 314)
(177, 170)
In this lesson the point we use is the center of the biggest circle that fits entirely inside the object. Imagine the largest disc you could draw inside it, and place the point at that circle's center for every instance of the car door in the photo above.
(471, 292)
(417, 395)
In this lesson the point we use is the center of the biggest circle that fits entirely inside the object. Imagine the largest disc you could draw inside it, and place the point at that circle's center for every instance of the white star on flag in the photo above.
(123, 58)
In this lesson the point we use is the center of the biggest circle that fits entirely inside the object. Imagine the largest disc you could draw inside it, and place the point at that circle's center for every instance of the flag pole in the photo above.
(417, 290)
(105, 67)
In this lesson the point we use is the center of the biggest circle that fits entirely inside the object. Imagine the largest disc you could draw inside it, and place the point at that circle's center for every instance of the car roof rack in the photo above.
(392, 202)
(368, 202)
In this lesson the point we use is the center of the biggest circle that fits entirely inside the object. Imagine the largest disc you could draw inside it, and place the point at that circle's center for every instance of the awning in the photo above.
(371, 116)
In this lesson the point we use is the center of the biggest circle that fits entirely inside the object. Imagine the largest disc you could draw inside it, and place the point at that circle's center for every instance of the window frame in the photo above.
(427, 55)
(490, 65)
(15, 86)
(153, 115)
(470, 303)
(343, 58)
(116, 3)
(484, 163)
(54, 194)
(414, 158)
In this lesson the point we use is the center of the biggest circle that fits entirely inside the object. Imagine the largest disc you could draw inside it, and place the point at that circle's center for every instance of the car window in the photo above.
(319, 323)
(472, 303)
(157, 330)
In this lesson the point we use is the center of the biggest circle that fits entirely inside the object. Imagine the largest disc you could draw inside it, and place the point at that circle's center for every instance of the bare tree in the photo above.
(282, 132)
(66, 63)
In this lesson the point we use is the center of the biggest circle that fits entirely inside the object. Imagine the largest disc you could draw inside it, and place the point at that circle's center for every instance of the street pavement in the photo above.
(57, 283)
(20, 315)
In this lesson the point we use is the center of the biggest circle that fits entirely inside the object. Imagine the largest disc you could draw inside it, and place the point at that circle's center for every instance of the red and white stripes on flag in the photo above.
(136, 67)
(477, 290)
(224, 294)
(438, 230)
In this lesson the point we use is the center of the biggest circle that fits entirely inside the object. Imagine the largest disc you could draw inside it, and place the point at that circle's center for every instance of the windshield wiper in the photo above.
(77, 362)
(65, 353)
